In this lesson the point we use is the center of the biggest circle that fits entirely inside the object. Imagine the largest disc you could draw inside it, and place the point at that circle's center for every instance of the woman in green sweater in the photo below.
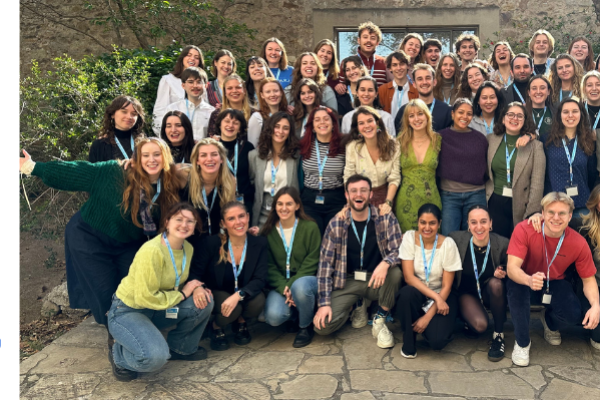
(153, 296)
(101, 239)
(294, 244)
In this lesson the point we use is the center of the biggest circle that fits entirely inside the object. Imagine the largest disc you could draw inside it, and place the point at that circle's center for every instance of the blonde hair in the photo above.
(406, 134)
(554, 197)
(372, 28)
(225, 181)
(591, 221)
(550, 41)
(556, 82)
(587, 76)
(245, 103)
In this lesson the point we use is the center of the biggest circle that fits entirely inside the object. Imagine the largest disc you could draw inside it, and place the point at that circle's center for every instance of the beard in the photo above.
(355, 208)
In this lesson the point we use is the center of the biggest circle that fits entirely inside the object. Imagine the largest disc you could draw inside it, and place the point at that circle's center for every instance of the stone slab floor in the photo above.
(346, 366)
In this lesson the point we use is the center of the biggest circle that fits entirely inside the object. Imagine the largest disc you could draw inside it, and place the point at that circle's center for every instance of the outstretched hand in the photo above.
(23, 159)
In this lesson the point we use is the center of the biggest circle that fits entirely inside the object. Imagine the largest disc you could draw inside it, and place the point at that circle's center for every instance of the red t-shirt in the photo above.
(528, 245)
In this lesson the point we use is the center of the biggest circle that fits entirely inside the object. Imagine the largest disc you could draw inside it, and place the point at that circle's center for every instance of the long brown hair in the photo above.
(297, 74)
(273, 218)
(413, 35)
(310, 137)
(492, 60)
(299, 108)
(385, 143)
(586, 138)
(138, 179)
(439, 77)
(334, 68)
(263, 107)
(591, 221)
(107, 132)
(265, 140)
(283, 61)
(406, 134)
(588, 63)
(179, 67)
(557, 83)
(218, 55)
(465, 89)
(225, 236)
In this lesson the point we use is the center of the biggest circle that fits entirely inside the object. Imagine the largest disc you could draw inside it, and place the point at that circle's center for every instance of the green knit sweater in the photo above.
(105, 182)
(151, 279)
(305, 255)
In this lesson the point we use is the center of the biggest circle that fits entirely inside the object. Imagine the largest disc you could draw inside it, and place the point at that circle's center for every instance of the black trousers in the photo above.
(501, 213)
(408, 309)
(96, 264)
(323, 213)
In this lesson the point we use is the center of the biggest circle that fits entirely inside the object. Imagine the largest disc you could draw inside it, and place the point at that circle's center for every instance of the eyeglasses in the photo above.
(512, 115)
(194, 82)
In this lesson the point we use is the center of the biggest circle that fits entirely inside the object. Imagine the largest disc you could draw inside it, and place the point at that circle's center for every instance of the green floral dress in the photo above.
(418, 185)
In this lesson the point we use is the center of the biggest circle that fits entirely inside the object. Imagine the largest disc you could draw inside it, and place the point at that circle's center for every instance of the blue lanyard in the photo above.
(351, 97)
(183, 263)
(560, 242)
(233, 168)
(447, 100)
(278, 73)
(432, 106)
(570, 158)
(570, 94)
(209, 209)
(327, 74)
(132, 145)
(410, 79)
(321, 166)
(156, 194)
(547, 67)
(274, 175)
(541, 119)
(508, 158)
(427, 266)
(236, 271)
(588, 110)
(288, 248)
(489, 129)
(519, 93)
(372, 66)
(187, 111)
(508, 82)
(364, 238)
(487, 253)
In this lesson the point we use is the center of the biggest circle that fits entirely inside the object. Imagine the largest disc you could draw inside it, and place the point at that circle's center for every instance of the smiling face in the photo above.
(556, 217)
(416, 118)
(502, 54)
(125, 118)
(448, 68)
(432, 55)
(230, 127)
(271, 93)
(353, 72)
(358, 195)
(181, 225)
(308, 67)
(424, 81)
(592, 90)
(307, 96)
(367, 125)
(366, 93)
(462, 116)
(281, 131)
(286, 208)
(322, 123)
(209, 159)
(192, 59)
(257, 71)
(474, 78)
(224, 66)
(428, 225)
(488, 101)
(152, 160)
(325, 55)
(367, 42)
(234, 91)
(235, 222)
(565, 69)
(580, 51)
(399, 69)
(174, 130)
(412, 47)
(570, 115)
(273, 54)
(521, 69)
(541, 46)
(480, 225)
(194, 87)
(538, 92)
(514, 120)
(467, 52)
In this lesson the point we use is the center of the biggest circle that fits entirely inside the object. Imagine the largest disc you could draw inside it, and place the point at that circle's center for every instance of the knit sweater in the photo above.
(463, 157)
(105, 182)
(151, 279)
(304, 260)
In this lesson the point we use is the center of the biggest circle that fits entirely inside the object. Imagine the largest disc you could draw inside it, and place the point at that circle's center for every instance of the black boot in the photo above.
(304, 336)
(242, 335)
(121, 374)
(197, 356)
(218, 341)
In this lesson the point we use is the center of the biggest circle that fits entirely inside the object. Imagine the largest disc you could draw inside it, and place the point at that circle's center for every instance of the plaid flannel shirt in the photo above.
(332, 261)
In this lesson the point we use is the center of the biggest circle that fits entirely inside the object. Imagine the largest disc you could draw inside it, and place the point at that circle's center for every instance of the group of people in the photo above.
(362, 190)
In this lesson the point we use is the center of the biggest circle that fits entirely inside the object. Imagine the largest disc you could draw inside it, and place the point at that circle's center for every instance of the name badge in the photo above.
(572, 191)
(320, 199)
(547, 298)
(360, 276)
(240, 198)
(507, 191)
(171, 313)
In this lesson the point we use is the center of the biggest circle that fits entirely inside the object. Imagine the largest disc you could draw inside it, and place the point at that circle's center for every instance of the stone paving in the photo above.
(346, 366)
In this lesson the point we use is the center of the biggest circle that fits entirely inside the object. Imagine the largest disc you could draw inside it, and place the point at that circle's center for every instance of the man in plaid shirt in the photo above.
(359, 259)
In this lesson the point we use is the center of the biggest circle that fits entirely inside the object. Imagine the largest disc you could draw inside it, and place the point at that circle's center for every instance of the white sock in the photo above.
(497, 334)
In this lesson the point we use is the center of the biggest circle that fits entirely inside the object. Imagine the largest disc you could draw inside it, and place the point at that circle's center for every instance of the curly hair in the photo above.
(307, 141)
(242, 135)
(556, 82)
(528, 126)
(586, 138)
(465, 89)
(107, 132)
(372, 28)
(385, 143)
(265, 140)
(469, 37)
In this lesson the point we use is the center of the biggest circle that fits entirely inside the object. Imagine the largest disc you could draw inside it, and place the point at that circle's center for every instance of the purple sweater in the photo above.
(463, 157)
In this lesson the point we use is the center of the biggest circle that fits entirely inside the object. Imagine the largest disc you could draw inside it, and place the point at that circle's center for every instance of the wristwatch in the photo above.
(388, 202)
(242, 294)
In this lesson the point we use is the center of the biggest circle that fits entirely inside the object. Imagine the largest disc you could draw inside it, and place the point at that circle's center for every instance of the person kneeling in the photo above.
(149, 299)
(538, 261)
(359, 257)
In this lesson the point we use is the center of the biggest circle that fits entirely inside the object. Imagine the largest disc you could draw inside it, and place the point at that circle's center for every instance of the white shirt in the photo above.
(446, 258)
(255, 124)
(280, 176)
(198, 115)
(403, 98)
(388, 121)
(169, 91)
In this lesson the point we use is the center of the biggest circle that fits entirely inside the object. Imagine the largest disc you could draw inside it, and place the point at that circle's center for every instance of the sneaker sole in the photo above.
(384, 345)
(359, 325)
(553, 343)
(408, 356)
(521, 363)
(495, 359)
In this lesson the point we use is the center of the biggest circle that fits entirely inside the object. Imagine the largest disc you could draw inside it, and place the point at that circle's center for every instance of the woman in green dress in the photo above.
(419, 149)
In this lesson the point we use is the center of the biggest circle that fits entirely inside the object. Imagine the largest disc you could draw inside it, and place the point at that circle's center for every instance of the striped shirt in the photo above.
(333, 173)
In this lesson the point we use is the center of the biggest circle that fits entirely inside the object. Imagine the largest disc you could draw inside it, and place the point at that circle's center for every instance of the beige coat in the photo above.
(528, 181)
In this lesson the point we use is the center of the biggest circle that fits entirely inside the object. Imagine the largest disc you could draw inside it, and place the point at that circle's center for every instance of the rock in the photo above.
(322, 365)
(309, 387)
(480, 362)
(387, 381)
(72, 360)
(497, 384)
(58, 301)
(247, 391)
(586, 377)
(357, 396)
(429, 360)
(49, 309)
(562, 390)
(532, 375)
(63, 387)
(363, 353)
(263, 364)
(111, 389)
(390, 396)
(59, 295)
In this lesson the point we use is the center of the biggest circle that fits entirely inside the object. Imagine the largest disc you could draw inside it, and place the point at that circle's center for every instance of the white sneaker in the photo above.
(520, 355)
(408, 355)
(359, 315)
(595, 345)
(380, 331)
(552, 337)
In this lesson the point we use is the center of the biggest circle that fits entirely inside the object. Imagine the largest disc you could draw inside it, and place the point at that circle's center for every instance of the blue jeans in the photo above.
(139, 345)
(563, 311)
(455, 207)
(304, 291)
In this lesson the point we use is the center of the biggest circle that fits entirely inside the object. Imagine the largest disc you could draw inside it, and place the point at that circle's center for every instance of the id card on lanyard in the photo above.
(539, 125)
(361, 275)
(209, 208)
(288, 247)
(507, 190)
(172, 312)
(571, 190)
(126, 157)
(427, 266)
(234, 168)
(237, 270)
(547, 298)
(320, 199)
(475, 270)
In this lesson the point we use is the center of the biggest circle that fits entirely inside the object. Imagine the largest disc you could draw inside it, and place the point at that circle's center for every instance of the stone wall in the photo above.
(300, 23)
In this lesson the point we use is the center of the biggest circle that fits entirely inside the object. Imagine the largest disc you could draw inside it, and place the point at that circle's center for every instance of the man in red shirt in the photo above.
(538, 261)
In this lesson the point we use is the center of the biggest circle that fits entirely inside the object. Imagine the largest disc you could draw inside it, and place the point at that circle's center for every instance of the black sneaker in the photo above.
(291, 327)
(200, 354)
(304, 337)
(496, 352)
(218, 341)
(242, 335)
(121, 374)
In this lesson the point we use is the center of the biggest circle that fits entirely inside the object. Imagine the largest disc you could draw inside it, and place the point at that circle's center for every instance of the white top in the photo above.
(280, 176)
(169, 91)
(446, 258)
(388, 121)
(403, 98)
(255, 124)
(198, 115)
(287, 232)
